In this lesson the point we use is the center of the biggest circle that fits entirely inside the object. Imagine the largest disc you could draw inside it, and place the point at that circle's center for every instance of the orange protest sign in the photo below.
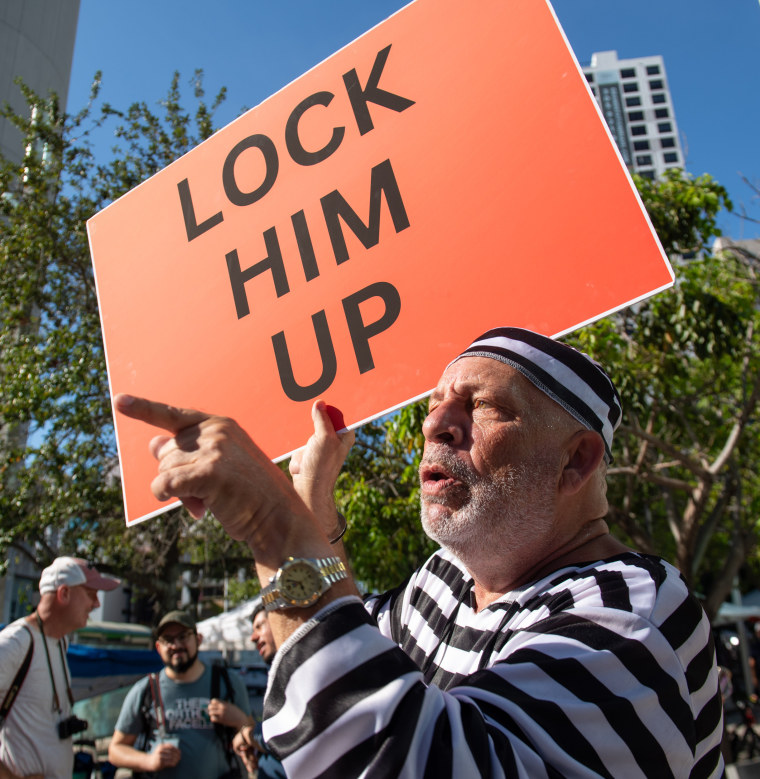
(350, 235)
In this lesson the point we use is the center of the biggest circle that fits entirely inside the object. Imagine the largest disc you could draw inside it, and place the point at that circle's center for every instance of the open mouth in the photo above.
(434, 476)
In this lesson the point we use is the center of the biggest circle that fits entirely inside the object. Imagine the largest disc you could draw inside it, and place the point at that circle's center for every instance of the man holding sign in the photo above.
(532, 643)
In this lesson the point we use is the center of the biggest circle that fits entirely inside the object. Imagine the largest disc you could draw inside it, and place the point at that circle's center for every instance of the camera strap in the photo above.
(56, 699)
(18, 680)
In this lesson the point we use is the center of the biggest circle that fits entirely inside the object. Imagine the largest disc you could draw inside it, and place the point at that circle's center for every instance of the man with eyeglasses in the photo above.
(173, 723)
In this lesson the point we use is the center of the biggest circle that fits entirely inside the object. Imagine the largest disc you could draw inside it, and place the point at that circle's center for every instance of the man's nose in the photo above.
(445, 424)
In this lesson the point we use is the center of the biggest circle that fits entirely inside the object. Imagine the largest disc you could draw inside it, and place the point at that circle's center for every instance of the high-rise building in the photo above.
(636, 102)
(36, 45)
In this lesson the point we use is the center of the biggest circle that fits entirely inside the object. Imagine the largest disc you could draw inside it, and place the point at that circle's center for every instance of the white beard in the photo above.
(501, 514)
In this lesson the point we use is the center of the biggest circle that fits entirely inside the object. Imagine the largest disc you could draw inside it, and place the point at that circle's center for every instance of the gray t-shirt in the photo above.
(186, 708)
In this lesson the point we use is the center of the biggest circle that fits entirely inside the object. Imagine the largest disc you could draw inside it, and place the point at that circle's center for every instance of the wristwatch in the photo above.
(300, 582)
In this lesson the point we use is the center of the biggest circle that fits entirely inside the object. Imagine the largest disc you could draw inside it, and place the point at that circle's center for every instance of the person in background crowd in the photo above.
(249, 742)
(531, 644)
(177, 726)
(38, 726)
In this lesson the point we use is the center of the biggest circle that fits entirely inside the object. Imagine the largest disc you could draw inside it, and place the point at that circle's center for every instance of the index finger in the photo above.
(158, 414)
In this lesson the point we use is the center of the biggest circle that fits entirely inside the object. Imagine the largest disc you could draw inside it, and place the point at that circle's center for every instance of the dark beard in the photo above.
(180, 666)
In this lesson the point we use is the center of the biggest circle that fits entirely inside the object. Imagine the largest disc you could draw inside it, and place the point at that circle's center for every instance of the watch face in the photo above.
(300, 583)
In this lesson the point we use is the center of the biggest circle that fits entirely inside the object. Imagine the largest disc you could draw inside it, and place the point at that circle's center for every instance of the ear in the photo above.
(63, 595)
(198, 638)
(585, 451)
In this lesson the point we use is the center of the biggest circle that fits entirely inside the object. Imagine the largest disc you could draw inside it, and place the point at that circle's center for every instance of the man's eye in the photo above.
(479, 403)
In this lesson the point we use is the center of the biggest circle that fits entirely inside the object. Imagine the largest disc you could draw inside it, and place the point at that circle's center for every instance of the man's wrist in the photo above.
(340, 530)
(249, 721)
(248, 734)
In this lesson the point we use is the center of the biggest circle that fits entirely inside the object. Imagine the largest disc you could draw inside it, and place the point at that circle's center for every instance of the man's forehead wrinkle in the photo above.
(480, 373)
(472, 372)
(515, 387)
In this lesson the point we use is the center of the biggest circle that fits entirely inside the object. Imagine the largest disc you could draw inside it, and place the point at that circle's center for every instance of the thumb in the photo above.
(157, 414)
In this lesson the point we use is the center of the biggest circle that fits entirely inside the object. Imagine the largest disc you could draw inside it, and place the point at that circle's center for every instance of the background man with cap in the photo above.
(249, 741)
(531, 644)
(36, 736)
(179, 730)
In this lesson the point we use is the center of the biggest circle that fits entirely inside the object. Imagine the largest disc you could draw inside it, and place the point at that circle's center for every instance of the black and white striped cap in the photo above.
(568, 376)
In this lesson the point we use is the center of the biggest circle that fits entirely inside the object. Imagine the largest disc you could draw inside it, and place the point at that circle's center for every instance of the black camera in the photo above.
(71, 726)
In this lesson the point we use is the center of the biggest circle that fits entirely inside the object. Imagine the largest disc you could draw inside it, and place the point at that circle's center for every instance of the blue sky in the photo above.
(254, 47)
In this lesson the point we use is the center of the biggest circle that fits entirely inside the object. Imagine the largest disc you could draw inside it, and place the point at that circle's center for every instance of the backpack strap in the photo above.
(18, 680)
(215, 673)
(148, 704)
(220, 671)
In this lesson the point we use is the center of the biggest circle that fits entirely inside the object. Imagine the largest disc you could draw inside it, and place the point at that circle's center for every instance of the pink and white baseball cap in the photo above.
(73, 571)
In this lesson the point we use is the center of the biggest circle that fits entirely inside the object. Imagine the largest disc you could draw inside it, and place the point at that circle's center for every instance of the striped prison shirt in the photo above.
(597, 670)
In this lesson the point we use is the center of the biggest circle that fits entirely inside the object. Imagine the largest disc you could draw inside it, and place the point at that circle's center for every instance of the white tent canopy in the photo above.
(732, 612)
(229, 631)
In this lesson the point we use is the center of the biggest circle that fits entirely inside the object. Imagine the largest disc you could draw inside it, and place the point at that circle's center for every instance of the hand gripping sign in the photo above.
(447, 172)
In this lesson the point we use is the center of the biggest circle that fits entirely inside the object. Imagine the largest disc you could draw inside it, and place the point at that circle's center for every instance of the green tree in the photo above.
(683, 484)
(687, 364)
(686, 361)
(59, 478)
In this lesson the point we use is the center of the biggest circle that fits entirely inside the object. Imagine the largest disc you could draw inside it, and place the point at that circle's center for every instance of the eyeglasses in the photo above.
(180, 638)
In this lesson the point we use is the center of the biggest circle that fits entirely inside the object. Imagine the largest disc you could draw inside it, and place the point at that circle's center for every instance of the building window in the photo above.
(631, 86)
(635, 116)
(646, 174)
(659, 98)
(657, 83)
(665, 127)
(639, 129)
(653, 70)
(668, 143)
(671, 156)
(593, 91)
(644, 159)
(627, 73)
(641, 146)
(632, 101)
(590, 78)
(661, 113)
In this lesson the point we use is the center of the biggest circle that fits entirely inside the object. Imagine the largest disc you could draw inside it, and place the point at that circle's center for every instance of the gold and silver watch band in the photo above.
(332, 568)
(300, 582)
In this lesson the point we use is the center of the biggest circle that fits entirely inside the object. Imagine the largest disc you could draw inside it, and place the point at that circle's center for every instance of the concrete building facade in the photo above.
(636, 102)
(37, 45)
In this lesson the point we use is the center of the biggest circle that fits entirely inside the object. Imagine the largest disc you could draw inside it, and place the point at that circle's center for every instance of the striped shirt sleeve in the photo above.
(606, 671)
